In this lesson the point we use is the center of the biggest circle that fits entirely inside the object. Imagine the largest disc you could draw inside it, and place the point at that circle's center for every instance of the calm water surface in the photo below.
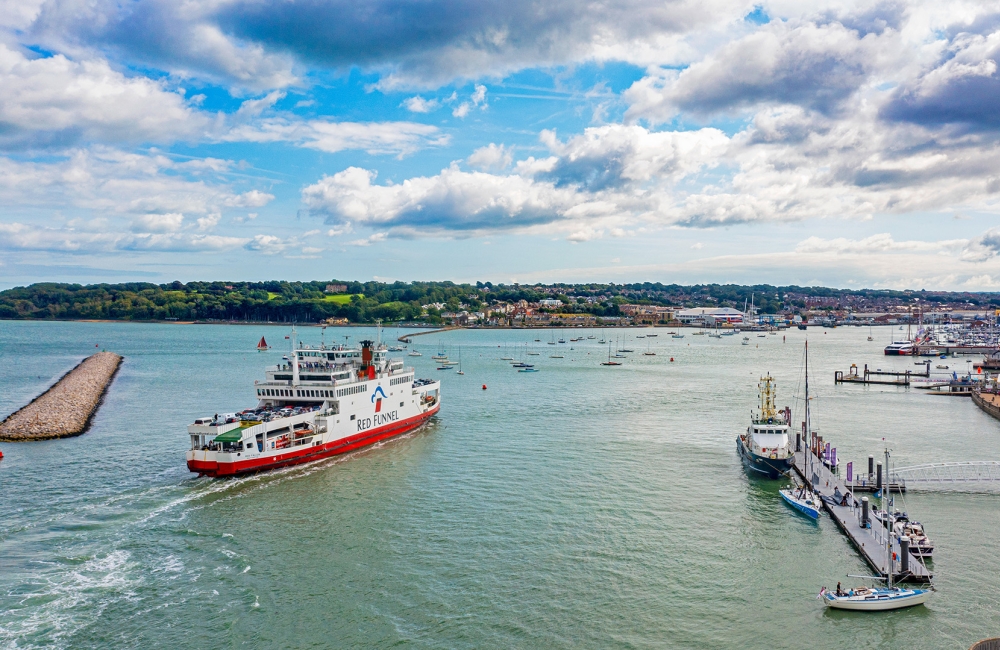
(579, 506)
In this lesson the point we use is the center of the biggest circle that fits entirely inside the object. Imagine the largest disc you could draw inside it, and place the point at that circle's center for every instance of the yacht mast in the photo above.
(808, 423)
(888, 521)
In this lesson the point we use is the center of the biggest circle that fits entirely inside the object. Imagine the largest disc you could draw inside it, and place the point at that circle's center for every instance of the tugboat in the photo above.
(321, 401)
(765, 448)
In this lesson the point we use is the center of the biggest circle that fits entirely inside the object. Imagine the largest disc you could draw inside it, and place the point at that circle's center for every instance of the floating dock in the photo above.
(869, 541)
(882, 377)
(66, 408)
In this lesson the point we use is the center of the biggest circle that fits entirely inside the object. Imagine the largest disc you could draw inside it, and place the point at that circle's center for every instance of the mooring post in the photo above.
(904, 554)
(871, 466)
(878, 476)
(864, 512)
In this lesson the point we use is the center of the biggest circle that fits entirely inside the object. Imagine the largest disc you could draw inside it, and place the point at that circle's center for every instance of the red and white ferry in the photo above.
(320, 402)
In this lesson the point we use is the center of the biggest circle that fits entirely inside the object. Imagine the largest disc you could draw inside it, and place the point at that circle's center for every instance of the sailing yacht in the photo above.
(866, 599)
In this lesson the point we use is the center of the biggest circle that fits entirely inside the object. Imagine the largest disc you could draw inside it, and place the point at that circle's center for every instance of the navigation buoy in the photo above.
(671, 359)
(484, 386)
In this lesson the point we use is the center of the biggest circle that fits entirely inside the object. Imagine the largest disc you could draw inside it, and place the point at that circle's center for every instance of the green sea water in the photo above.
(577, 507)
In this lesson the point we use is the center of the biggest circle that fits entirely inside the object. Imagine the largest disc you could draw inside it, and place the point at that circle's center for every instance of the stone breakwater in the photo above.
(65, 409)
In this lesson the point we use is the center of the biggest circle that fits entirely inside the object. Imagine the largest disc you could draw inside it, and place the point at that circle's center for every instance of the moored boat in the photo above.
(765, 447)
(865, 599)
(899, 348)
(802, 499)
(321, 402)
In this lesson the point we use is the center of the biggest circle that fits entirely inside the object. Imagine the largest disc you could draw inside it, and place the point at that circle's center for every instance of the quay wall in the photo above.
(66, 408)
(988, 402)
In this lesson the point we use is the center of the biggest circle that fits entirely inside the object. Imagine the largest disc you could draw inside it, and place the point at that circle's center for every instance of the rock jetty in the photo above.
(65, 409)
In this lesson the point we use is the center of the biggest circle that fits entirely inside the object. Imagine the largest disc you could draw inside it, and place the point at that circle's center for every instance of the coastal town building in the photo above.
(648, 313)
(709, 316)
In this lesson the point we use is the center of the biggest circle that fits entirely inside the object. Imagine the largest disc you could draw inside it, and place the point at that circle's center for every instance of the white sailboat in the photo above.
(873, 599)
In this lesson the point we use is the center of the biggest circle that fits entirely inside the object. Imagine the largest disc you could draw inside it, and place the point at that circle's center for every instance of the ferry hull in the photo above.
(309, 454)
(772, 468)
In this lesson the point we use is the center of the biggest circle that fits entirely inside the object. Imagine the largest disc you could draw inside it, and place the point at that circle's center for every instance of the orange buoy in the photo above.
(484, 386)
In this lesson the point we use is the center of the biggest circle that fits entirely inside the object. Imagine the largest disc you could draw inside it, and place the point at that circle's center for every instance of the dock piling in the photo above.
(878, 476)
(864, 512)
(904, 554)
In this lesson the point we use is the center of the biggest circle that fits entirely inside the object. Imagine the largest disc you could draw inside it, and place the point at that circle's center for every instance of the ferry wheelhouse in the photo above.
(765, 447)
(319, 402)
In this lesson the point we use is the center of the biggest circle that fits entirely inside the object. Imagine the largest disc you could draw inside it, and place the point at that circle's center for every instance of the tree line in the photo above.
(365, 302)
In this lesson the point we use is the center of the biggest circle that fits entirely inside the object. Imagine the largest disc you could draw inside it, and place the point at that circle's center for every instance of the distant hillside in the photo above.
(364, 302)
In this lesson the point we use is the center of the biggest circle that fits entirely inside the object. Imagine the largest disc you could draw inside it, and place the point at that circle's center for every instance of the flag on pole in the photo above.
(821, 592)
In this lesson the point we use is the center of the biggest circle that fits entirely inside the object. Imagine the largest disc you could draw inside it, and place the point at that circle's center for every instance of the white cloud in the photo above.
(880, 243)
(492, 157)
(55, 101)
(114, 182)
(400, 138)
(208, 222)
(368, 241)
(476, 100)
(27, 237)
(816, 65)
(418, 104)
(158, 222)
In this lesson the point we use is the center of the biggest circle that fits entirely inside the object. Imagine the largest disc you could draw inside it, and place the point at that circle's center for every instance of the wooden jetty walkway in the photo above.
(869, 542)
(66, 408)
(876, 376)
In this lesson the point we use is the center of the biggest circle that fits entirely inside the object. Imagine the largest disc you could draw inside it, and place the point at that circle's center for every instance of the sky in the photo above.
(840, 143)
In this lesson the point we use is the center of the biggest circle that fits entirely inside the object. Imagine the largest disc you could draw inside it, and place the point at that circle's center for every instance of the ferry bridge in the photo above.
(935, 474)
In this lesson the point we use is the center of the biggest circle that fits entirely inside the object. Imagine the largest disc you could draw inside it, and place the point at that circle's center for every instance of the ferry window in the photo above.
(400, 403)
(352, 417)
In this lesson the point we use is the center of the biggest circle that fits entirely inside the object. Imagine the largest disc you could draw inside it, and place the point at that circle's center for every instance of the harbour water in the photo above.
(580, 506)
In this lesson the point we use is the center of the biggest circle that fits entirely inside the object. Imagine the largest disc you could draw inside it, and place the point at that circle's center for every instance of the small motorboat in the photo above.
(920, 545)
(528, 369)
(611, 363)
(556, 356)
(676, 336)
(445, 367)
(866, 599)
(802, 499)
(746, 340)
(414, 354)
(941, 367)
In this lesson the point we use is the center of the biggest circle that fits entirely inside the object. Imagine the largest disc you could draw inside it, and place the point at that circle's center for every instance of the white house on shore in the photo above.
(709, 316)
